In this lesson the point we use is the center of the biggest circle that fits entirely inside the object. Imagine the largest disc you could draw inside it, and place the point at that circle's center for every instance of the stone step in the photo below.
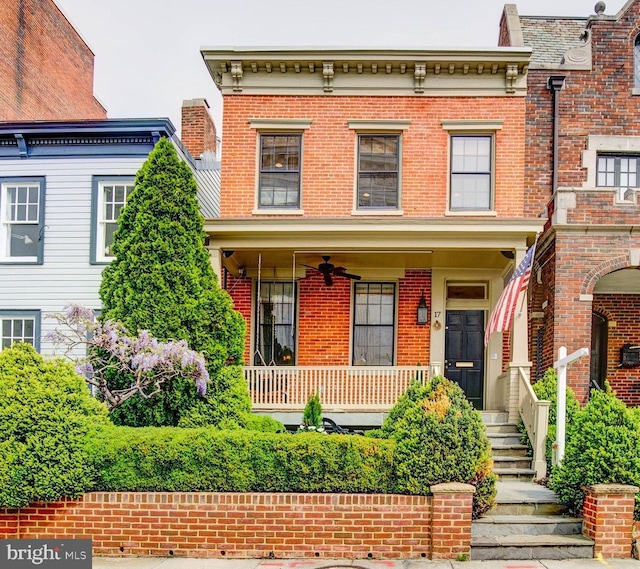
(515, 474)
(497, 525)
(532, 509)
(502, 461)
(501, 428)
(510, 450)
(523, 546)
(505, 439)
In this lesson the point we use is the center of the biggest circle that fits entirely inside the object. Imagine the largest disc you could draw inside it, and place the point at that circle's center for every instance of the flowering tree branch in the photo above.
(108, 346)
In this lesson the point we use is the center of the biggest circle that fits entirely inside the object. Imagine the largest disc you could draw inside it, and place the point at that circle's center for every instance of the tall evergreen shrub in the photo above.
(161, 280)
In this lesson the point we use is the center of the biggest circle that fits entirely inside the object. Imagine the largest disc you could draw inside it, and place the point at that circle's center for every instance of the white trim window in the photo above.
(618, 171)
(471, 172)
(374, 324)
(112, 196)
(21, 221)
(19, 326)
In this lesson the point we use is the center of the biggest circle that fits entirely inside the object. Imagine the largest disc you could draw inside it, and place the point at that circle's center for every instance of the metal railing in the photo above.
(535, 416)
(341, 388)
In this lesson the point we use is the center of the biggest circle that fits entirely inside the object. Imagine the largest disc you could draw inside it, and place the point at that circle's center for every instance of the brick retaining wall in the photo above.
(256, 525)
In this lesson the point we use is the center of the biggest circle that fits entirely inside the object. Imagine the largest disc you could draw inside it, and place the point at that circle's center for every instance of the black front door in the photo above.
(464, 352)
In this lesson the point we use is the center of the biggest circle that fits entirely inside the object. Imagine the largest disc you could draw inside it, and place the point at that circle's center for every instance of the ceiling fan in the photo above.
(329, 270)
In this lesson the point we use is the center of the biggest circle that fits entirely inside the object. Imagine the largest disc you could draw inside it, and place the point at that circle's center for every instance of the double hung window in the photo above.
(279, 181)
(21, 220)
(471, 172)
(110, 197)
(378, 169)
(19, 326)
(374, 323)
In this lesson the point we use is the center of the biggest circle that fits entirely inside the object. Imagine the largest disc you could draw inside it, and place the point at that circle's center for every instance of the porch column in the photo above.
(215, 257)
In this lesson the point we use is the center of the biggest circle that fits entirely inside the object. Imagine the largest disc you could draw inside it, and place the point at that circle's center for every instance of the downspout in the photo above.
(554, 84)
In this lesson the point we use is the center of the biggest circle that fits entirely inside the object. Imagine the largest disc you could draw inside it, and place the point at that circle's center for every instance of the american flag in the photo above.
(502, 315)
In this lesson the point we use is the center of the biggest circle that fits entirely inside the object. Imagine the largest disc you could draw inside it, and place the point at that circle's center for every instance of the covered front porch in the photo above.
(356, 309)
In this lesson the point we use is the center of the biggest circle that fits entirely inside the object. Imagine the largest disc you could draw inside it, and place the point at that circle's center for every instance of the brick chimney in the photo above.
(198, 131)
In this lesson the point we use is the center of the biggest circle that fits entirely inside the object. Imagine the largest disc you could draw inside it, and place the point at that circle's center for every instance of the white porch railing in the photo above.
(287, 388)
(535, 416)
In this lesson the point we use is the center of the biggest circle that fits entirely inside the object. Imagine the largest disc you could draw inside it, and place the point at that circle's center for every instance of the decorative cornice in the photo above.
(134, 137)
(409, 72)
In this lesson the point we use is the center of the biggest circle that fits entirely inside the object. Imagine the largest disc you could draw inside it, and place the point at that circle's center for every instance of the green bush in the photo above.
(312, 414)
(604, 448)
(207, 459)
(46, 413)
(546, 389)
(440, 438)
(161, 280)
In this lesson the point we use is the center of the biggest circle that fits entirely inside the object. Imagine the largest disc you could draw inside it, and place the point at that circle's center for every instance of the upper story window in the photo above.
(374, 324)
(21, 220)
(109, 197)
(279, 184)
(636, 63)
(618, 171)
(19, 326)
(471, 172)
(378, 169)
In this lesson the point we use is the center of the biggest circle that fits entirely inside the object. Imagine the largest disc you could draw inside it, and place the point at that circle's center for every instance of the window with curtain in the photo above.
(374, 324)
(279, 185)
(378, 163)
(275, 338)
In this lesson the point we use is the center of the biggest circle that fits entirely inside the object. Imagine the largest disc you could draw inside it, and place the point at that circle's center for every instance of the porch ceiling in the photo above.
(370, 243)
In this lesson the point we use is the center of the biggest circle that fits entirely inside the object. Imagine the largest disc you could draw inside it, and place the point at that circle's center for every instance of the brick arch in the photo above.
(603, 312)
(604, 268)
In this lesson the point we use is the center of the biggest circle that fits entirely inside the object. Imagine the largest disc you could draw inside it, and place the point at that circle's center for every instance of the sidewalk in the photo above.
(192, 563)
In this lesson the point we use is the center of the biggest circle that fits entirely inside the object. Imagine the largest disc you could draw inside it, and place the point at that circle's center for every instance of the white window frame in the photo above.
(473, 128)
(9, 228)
(100, 220)
(20, 315)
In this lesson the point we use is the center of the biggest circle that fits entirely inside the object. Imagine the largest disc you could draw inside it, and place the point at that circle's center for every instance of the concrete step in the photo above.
(523, 546)
(489, 417)
(501, 461)
(497, 525)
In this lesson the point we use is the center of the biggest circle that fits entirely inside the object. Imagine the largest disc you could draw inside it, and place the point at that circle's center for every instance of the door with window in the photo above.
(464, 352)
(275, 333)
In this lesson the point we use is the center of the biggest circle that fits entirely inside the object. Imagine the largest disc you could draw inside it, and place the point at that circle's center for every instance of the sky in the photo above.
(147, 52)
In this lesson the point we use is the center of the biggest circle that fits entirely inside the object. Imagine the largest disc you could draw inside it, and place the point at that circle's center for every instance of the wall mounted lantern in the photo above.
(423, 310)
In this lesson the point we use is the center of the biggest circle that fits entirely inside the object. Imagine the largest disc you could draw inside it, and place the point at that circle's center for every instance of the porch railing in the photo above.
(343, 388)
(535, 416)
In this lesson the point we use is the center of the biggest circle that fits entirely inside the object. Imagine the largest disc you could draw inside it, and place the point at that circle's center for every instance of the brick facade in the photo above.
(46, 68)
(572, 256)
(236, 525)
(329, 149)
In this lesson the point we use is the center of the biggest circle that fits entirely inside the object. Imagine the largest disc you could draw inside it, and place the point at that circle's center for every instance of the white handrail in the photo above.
(535, 416)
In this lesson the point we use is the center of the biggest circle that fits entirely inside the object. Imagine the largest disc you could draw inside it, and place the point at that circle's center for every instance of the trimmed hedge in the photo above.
(440, 438)
(210, 460)
(46, 415)
(603, 448)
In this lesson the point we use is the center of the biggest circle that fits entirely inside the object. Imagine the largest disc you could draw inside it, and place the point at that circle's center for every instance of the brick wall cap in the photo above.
(453, 488)
(611, 489)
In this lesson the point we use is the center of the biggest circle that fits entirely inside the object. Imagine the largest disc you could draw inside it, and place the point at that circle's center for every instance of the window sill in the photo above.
(375, 212)
(10, 261)
(472, 212)
(635, 91)
(277, 211)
